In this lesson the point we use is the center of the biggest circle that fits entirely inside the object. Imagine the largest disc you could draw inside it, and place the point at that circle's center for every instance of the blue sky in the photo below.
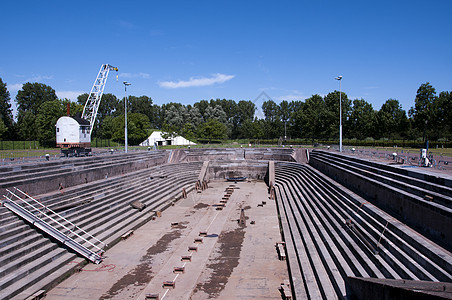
(186, 51)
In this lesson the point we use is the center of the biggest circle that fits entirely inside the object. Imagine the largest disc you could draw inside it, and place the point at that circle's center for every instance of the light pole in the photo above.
(340, 113)
(125, 113)
(285, 131)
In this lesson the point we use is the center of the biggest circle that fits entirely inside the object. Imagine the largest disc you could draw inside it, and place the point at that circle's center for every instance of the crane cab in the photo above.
(73, 136)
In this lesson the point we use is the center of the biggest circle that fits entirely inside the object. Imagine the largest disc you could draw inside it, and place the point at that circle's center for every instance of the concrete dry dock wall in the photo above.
(72, 173)
(283, 154)
(427, 217)
(218, 170)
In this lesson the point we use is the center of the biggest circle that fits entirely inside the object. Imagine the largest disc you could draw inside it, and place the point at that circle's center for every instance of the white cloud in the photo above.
(136, 75)
(71, 95)
(14, 87)
(291, 97)
(195, 82)
(35, 78)
(39, 78)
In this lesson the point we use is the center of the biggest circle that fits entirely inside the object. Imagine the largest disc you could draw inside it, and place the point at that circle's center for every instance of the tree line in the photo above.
(206, 120)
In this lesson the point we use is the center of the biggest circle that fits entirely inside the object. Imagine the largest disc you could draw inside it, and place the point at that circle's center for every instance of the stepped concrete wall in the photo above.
(71, 174)
(429, 218)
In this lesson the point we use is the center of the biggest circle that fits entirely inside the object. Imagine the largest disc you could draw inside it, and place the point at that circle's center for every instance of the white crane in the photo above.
(73, 134)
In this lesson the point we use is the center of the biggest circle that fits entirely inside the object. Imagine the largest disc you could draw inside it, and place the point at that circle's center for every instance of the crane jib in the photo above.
(95, 96)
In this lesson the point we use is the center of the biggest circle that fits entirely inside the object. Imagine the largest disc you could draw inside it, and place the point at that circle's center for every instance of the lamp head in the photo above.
(126, 83)
(339, 77)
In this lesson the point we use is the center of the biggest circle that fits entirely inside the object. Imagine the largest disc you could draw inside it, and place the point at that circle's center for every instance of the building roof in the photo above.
(81, 121)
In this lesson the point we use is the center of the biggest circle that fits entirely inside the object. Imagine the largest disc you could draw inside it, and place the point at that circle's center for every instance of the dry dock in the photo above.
(230, 260)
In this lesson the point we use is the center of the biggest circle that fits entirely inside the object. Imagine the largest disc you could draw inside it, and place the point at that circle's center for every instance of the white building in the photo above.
(156, 139)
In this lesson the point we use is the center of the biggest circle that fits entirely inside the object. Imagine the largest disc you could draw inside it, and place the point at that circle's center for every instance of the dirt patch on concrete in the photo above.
(200, 206)
(140, 276)
(180, 225)
(221, 267)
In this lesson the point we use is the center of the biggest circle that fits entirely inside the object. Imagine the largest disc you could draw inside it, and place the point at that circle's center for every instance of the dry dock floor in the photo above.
(232, 262)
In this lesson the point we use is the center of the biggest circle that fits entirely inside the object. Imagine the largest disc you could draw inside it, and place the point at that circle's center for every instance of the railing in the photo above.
(440, 163)
(39, 210)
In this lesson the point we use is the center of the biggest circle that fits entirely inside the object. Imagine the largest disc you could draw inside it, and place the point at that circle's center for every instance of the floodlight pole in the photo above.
(125, 114)
(340, 113)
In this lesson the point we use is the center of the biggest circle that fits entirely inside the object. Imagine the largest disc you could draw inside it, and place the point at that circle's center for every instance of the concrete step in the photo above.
(364, 229)
(406, 254)
(307, 258)
(125, 212)
(314, 210)
(25, 258)
(26, 270)
(429, 218)
(439, 194)
(17, 246)
(45, 270)
(439, 184)
(395, 234)
(14, 234)
(296, 275)
(157, 193)
(346, 242)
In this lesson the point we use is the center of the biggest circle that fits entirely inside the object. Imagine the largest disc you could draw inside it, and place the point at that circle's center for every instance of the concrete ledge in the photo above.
(378, 289)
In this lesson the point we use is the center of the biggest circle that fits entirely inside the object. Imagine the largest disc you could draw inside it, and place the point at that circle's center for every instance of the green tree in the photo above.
(3, 128)
(188, 132)
(74, 107)
(244, 117)
(202, 106)
(253, 129)
(26, 125)
(81, 99)
(294, 128)
(212, 130)
(285, 114)
(142, 105)
(362, 120)
(29, 99)
(194, 117)
(137, 128)
(228, 106)
(174, 119)
(107, 129)
(245, 111)
(273, 125)
(216, 112)
(159, 116)
(392, 120)
(331, 119)
(311, 117)
(32, 95)
(48, 114)
(443, 115)
(423, 112)
(6, 115)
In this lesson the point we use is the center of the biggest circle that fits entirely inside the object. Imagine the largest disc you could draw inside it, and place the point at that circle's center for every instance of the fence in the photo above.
(440, 161)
